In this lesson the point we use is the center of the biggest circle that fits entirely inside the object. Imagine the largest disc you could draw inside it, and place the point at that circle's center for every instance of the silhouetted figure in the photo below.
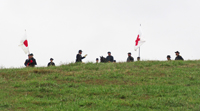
(97, 60)
(130, 58)
(79, 56)
(103, 59)
(109, 57)
(178, 57)
(138, 58)
(51, 63)
(26, 62)
(31, 62)
(168, 57)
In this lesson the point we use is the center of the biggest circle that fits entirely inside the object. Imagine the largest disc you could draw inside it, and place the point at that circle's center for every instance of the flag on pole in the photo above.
(24, 44)
(139, 40)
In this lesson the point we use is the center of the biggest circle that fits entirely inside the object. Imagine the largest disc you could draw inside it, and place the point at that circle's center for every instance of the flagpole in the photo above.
(139, 47)
(28, 48)
(139, 52)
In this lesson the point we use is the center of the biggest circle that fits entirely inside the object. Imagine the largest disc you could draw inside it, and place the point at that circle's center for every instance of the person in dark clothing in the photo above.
(79, 56)
(109, 57)
(138, 58)
(26, 62)
(130, 58)
(168, 57)
(51, 63)
(178, 57)
(31, 62)
(97, 60)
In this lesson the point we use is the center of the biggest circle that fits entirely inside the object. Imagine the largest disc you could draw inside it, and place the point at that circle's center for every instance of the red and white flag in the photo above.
(139, 40)
(24, 44)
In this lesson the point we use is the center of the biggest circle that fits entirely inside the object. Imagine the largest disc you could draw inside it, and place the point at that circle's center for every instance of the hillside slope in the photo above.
(145, 85)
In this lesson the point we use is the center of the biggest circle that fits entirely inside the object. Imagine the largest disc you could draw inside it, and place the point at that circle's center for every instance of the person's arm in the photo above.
(182, 58)
(108, 58)
(34, 62)
(112, 59)
(82, 57)
(25, 63)
(131, 59)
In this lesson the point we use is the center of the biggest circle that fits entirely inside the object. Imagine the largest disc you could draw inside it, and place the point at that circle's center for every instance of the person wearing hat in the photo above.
(168, 57)
(51, 63)
(97, 60)
(26, 62)
(130, 58)
(178, 57)
(79, 56)
(31, 62)
(109, 57)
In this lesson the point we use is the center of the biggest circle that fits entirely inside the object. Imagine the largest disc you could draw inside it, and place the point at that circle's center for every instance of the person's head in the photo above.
(51, 59)
(29, 56)
(168, 57)
(138, 58)
(177, 53)
(114, 61)
(80, 51)
(97, 60)
(129, 54)
(109, 53)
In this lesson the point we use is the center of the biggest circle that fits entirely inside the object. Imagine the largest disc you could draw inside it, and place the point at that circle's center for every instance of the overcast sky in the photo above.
(59, 28)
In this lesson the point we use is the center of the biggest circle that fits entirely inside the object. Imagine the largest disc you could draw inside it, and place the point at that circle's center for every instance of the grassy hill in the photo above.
(145, 85)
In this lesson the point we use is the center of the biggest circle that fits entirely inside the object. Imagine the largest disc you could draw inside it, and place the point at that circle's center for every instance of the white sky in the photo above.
(59, 28)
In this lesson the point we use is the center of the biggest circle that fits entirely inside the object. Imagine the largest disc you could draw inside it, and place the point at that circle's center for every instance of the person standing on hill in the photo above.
(109, 57)
(178, 57)
(97, 60)
(26, 62)
(79, 56)
(51, 63)
(138, 58)
(130, 58)
(31, 62)
(168, 57)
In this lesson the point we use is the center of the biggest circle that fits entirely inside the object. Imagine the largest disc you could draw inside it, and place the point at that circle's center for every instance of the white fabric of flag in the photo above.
(139, 40)
(24, 44)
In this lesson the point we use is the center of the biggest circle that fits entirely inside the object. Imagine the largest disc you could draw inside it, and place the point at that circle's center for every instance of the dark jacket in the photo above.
(32, 62)
(179, 58)
(79, 58)
(110, 58)
(130, 59)
(26, 62)
(51, 64)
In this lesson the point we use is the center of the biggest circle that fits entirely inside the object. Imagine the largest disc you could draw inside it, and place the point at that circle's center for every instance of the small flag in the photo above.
(24, 44)
(139, 40)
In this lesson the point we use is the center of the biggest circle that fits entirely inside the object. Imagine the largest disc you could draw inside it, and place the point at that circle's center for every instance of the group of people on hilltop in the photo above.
(178, 56)
(31, 62)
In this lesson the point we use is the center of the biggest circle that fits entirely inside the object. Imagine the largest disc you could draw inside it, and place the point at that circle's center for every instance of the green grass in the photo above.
(141, 86)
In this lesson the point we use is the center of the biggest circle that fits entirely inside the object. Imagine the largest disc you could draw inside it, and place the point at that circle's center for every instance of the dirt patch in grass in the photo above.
(103, 82)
